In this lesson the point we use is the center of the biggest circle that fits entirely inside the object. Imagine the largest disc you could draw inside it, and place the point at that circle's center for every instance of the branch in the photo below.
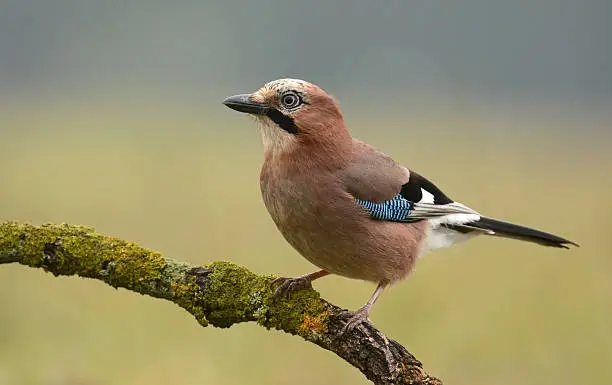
(220, 294)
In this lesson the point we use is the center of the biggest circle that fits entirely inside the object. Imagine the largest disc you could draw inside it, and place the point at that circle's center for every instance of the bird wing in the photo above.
(391, 192)
(417, 200)
(372, 175)
(430, 202)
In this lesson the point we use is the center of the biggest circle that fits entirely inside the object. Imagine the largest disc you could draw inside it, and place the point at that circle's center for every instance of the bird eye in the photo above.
(291, 100)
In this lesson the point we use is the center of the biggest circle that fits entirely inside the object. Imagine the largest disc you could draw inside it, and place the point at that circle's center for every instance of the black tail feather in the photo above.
(510, 230)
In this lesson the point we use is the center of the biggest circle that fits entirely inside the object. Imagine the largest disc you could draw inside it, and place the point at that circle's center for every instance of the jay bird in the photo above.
(346, 207)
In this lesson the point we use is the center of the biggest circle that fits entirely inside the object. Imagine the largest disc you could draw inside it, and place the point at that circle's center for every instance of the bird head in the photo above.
(292, 112)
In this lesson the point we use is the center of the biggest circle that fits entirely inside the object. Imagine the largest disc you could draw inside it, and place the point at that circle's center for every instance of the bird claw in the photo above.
(355, 319)
(289, 285)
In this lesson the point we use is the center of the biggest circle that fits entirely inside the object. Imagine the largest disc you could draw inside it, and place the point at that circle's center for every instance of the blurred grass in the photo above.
(185, 182)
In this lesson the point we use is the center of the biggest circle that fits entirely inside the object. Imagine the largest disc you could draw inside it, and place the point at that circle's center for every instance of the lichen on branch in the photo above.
(220, 293)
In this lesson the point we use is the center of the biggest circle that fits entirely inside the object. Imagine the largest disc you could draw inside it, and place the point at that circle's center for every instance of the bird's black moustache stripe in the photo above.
(283, 121)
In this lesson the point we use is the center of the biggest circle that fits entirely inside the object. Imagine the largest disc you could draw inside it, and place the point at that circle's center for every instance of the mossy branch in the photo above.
(220, 294)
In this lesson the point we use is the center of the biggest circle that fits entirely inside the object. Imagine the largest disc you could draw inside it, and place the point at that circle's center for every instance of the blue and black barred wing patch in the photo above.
(397, 209)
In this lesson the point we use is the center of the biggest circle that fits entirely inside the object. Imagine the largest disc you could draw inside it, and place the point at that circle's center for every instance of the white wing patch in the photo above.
(427, 197)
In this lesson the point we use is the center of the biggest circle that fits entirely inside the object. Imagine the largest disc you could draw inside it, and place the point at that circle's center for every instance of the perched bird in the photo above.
(346, 207)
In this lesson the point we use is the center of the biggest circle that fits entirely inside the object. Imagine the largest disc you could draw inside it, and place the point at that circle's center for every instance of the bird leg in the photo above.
(362, 314)
(289, 285)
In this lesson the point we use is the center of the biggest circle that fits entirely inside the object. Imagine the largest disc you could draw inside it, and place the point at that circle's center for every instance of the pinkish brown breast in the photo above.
(324, 224)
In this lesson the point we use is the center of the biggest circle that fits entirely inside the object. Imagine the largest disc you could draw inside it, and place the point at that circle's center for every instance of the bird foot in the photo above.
(355, 319)
(289, 285)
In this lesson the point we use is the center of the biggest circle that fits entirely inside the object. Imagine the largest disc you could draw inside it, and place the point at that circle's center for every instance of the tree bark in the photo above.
(220, 294)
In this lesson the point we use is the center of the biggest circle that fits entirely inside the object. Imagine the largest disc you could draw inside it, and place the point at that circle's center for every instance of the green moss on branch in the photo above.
(220, 293)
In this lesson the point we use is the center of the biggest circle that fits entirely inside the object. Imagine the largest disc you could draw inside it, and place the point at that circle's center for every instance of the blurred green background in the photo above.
(110, 116)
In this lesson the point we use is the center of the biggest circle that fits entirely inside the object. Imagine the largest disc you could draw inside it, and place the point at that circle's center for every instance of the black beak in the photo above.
(243, 103)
